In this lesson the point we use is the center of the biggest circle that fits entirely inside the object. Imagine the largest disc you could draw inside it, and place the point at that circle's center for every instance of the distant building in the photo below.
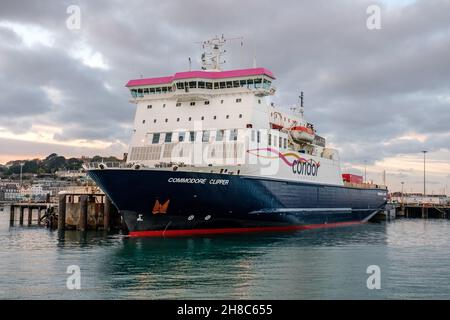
(71, 174)
(417, 198)
(10, 191)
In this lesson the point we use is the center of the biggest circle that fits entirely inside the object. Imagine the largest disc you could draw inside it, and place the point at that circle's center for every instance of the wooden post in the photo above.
(62, 212)
(39, 216)
(30, 215)
(11, 215)
(83, 213)
(107, 214)
(21, 215)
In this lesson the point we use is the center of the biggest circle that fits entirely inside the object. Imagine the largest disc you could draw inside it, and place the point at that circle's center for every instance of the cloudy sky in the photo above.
(380, 96)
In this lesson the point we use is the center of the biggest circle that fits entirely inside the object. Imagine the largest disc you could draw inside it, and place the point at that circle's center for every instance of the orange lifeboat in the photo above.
(302, 134)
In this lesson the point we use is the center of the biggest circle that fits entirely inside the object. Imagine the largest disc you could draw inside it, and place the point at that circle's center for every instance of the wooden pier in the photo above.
(424, 211)
(74, 211)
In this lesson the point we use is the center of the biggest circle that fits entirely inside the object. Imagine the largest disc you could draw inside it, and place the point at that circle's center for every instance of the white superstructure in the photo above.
(223, 121)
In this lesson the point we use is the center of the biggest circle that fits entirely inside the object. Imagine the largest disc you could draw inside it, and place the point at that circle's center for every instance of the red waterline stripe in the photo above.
(191, 232)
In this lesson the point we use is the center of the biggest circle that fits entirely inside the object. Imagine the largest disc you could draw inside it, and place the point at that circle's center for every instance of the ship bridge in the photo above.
(201, 85)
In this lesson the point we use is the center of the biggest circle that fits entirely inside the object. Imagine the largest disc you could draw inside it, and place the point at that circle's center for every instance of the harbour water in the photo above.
(413, 257)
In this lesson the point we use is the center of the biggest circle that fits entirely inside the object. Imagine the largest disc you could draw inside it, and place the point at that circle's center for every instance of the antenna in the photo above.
(190, 64)
(212, 57)
(301, 109)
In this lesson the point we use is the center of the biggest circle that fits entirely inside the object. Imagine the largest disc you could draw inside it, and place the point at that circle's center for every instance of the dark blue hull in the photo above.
(175, 203)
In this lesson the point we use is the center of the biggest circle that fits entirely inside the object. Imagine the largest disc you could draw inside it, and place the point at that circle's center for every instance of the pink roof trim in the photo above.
(201, 74)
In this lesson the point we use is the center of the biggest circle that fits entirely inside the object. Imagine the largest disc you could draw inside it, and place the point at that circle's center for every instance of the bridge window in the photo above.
(168, 137)
(258, 83)
(233, 135)
(192, 135)
(253, 135)
(181, 136)
(133, 93)
(236, 84)
(258, 136)
(219, 135)
(192, 84)
(229, 84)
(222, 85)
(180, 85)
(209, 85)
(201, 85)
(269, 139)
(152, 90)
(164, 89)
(178, 104)
(285, 143)
(205, 137)
(243, 83)
(158, 90)
(280, 142)
(216, 85)
(155, 139)
(146, 91)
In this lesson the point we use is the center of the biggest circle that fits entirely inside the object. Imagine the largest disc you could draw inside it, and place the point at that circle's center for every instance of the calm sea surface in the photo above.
(413, 256)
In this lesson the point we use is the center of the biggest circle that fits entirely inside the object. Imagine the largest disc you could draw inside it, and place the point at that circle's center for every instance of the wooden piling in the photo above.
(62, 212)
(30, 215)
(11, 215)
(39, 216)
(82, 225)
(107, 214)
(21, 215)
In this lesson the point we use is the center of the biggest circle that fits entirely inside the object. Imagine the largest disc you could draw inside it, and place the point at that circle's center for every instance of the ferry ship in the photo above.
(211, 154)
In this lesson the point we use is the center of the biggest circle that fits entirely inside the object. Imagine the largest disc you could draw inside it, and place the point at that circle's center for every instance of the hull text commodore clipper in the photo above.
(210, 154)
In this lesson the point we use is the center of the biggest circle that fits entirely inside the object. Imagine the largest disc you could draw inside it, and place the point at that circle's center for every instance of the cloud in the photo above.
(373, 94)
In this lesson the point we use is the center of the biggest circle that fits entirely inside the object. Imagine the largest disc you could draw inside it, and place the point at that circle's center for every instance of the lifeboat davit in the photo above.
(302, 134)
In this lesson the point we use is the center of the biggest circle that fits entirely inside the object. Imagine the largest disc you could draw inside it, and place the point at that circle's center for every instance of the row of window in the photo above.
(249, 83)
(193, 103)
(206, 135)
(191, 136)
(166, 120)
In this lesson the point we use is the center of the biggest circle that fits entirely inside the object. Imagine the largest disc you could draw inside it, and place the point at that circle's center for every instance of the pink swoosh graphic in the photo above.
(281, 156)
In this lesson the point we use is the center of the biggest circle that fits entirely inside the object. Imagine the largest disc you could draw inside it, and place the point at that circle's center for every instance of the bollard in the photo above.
(82, 224)
(11, 215)
(62, 212)
(21, 216)
(107, 214)
(30, 215)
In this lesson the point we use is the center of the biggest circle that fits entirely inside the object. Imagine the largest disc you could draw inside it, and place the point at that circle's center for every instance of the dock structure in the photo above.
(29, 209)
(424, 211)
(74, 211)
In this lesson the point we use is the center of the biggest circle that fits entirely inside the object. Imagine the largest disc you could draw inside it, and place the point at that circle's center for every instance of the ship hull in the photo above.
(176, 203)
